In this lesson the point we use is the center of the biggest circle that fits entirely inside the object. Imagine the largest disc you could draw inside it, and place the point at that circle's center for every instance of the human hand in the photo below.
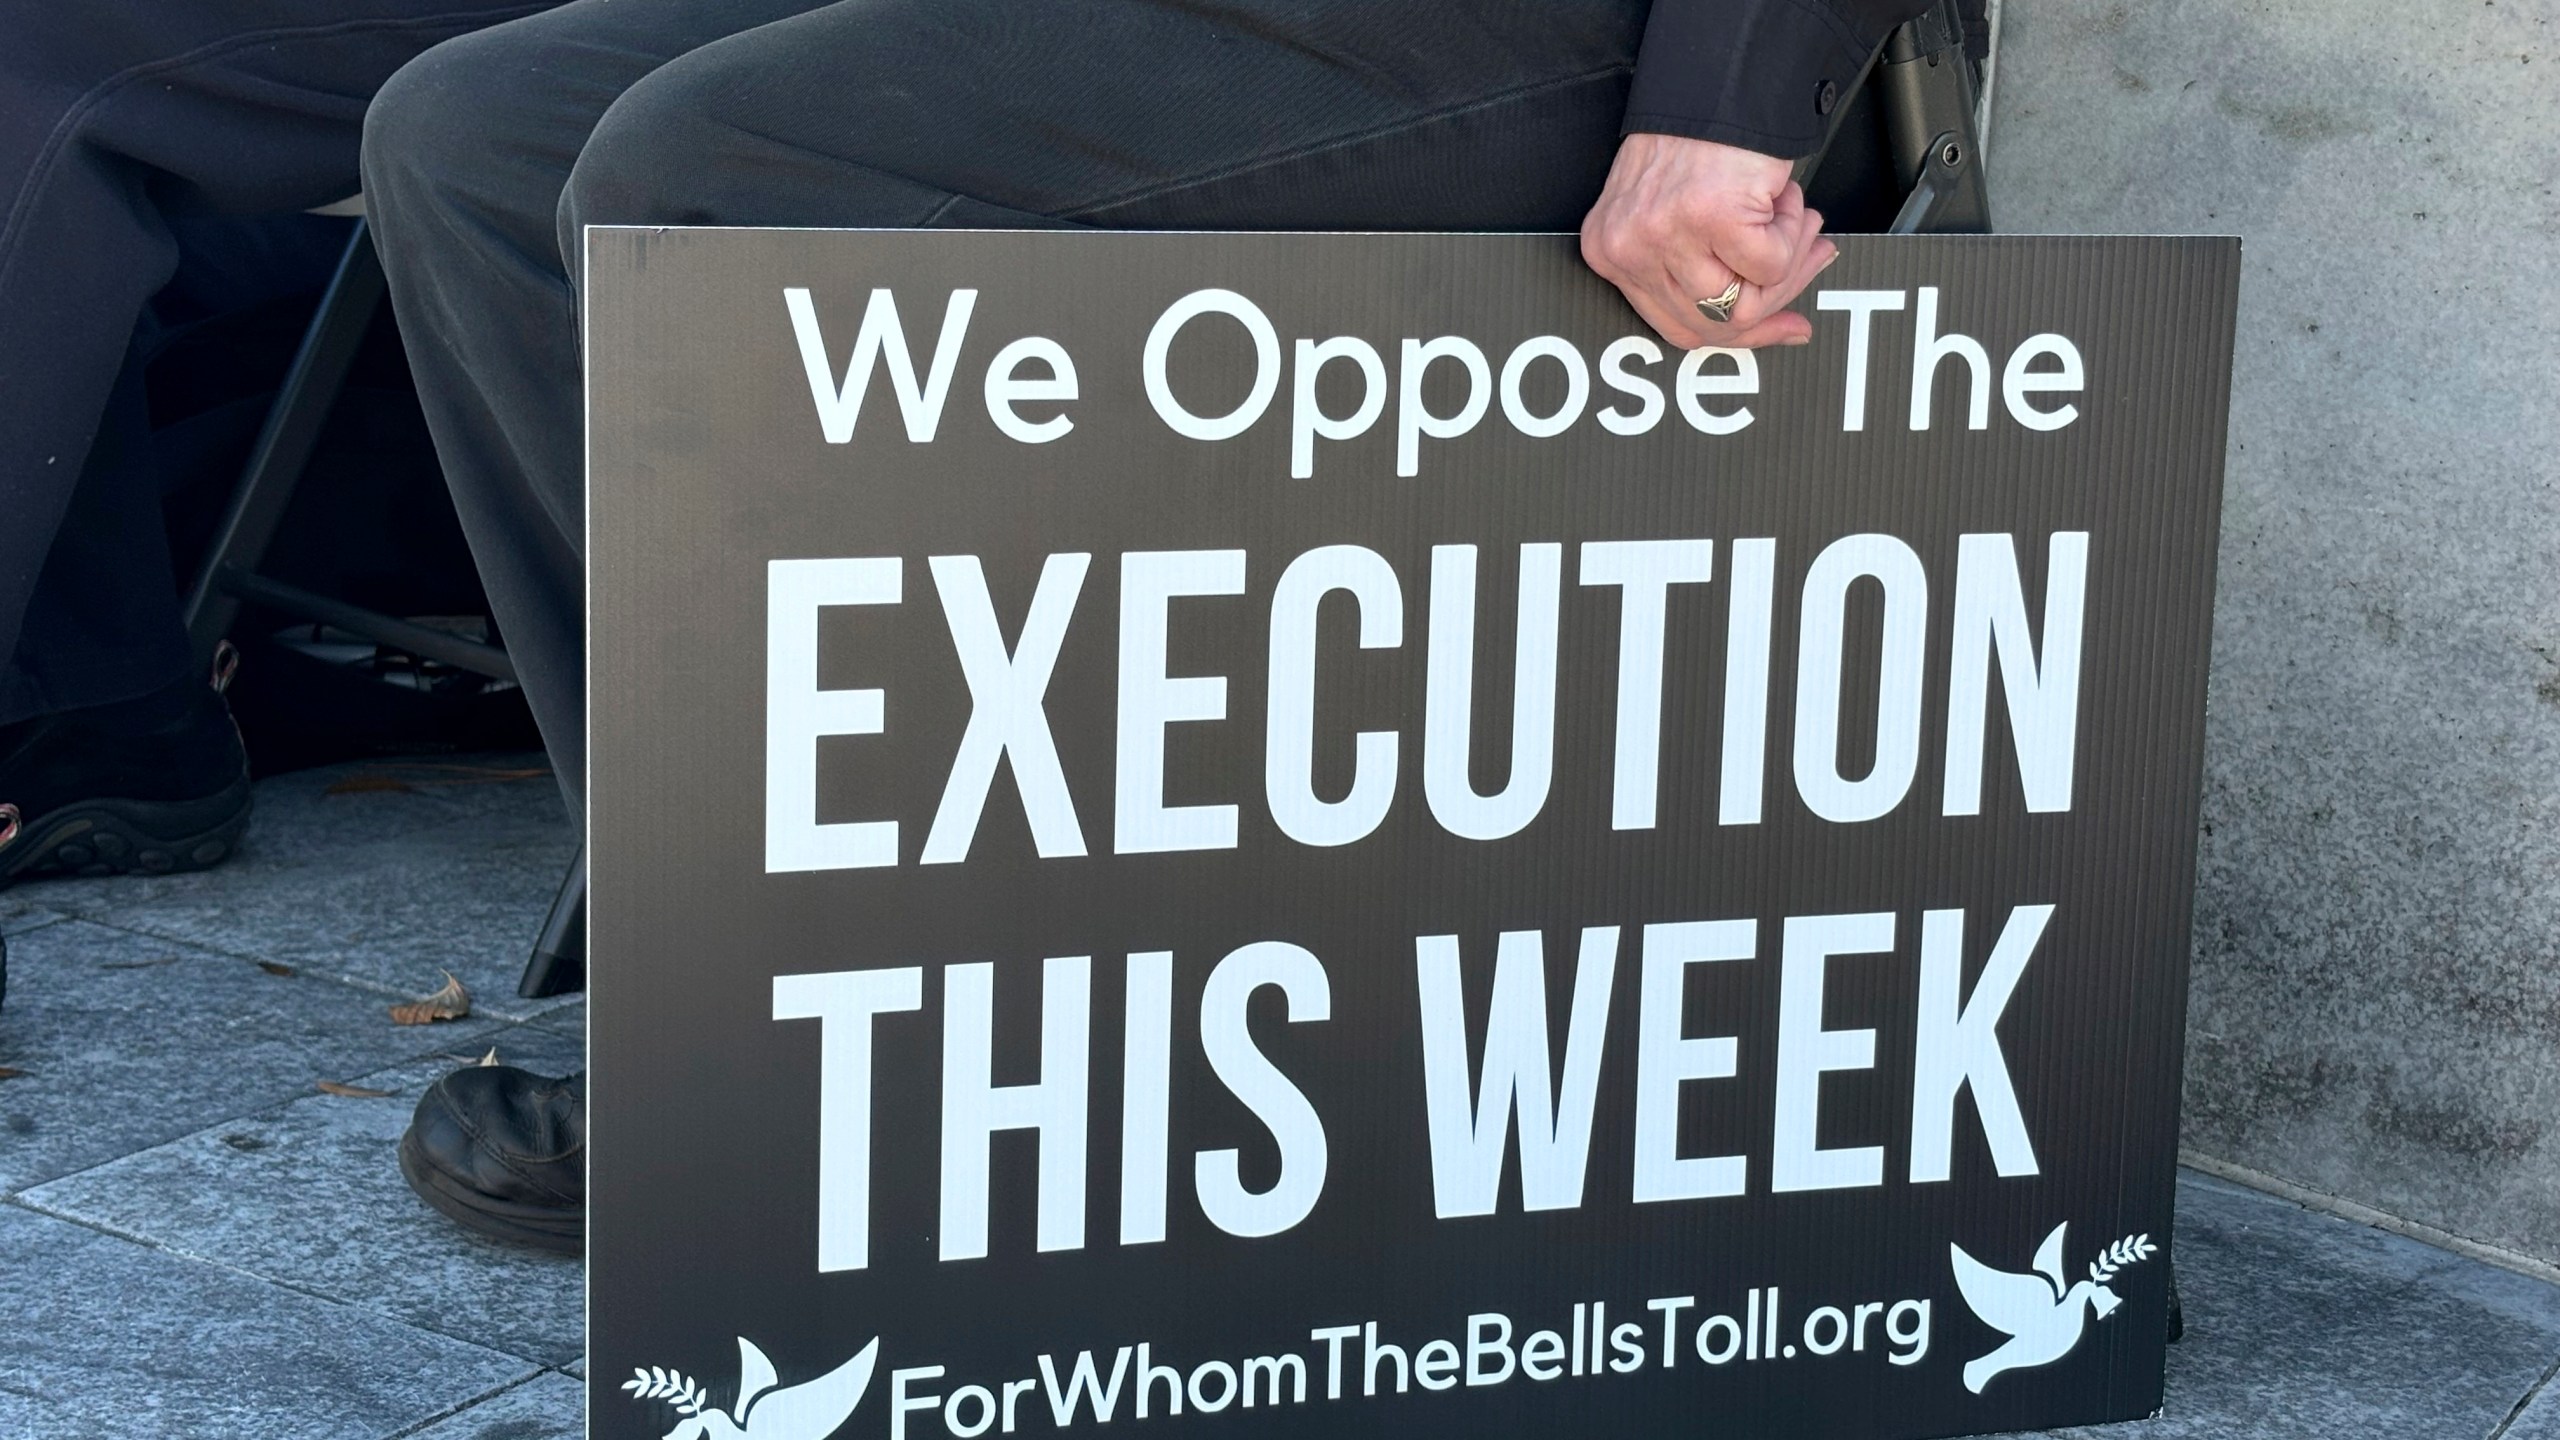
(1681, 219)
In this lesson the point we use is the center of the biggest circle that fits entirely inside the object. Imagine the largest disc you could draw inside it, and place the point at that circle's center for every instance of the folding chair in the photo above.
(229, 577)
(1903, 154)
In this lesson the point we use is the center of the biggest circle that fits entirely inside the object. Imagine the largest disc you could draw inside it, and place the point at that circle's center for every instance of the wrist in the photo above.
(1731, 163)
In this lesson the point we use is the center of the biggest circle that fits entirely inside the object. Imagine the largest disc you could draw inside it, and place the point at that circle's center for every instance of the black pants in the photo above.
(485, 157)
(119, 119)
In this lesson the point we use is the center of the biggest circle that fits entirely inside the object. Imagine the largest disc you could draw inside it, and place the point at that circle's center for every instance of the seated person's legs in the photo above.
(128, 760)
(1313, 114)
(1319, 114)
(919, 112)
(115, 755)
(466, 151)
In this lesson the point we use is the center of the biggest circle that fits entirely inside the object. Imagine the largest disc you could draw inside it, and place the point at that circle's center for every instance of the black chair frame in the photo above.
(229, 577)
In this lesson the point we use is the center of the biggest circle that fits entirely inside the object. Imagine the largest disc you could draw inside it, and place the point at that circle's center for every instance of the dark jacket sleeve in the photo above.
(1761, 74)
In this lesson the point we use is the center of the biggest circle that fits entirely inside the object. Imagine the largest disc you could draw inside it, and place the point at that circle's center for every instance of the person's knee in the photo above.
(437, 127)
(647, 163)
(676, 149)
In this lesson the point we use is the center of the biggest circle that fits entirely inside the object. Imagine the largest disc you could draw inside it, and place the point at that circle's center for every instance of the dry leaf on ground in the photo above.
(489, 1059)
(450, 1003)
(9, 1072)
(408, 779)
(351, 1092)
(272, 968)
(457, 774)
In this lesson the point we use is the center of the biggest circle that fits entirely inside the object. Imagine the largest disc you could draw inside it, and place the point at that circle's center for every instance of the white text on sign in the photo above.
(1707, 386)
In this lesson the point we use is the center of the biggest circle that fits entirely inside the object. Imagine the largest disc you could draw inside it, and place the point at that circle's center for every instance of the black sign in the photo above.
(1251, 835)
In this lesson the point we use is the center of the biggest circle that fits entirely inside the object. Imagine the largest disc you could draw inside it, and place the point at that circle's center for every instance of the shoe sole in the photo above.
(130, 837)
(559, 1231)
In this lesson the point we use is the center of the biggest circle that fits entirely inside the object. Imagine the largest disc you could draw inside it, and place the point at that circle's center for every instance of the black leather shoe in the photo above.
(155, 785)
(504, 1152)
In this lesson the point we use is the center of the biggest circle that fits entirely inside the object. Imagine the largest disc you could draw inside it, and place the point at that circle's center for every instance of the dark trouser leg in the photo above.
(1315, 114)
(100, 620)
(465, 154)
(1294, 114)
(894, 112)
(114, 116)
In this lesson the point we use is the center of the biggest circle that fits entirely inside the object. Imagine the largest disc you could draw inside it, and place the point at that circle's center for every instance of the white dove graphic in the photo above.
(2042, 1318)
(810, 1411)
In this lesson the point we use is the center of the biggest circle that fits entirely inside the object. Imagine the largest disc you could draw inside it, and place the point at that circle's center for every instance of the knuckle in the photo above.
(1703, 212)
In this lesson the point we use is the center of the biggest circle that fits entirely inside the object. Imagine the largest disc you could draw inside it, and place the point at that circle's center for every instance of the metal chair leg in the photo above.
(285, 443)
(558, 965)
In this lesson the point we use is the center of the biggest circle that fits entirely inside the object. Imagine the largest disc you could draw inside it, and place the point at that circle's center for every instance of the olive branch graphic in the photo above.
(2124, 1252)
(673, 1386)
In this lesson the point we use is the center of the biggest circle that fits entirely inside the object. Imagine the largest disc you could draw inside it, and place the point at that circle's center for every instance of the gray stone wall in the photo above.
(2376, 1008)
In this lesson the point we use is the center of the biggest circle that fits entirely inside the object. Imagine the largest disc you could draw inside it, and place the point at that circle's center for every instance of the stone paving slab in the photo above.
(18, 916)
(2541, 1417)
(108, 1338)
(309, 1195)
(128, 1041)
(570, 1019)
(534, 798)
(2304, 1325)
(551, 1406)
(303, 815)
(343, 875)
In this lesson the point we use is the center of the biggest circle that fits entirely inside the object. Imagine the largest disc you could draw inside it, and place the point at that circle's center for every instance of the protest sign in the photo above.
(1256, 835)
